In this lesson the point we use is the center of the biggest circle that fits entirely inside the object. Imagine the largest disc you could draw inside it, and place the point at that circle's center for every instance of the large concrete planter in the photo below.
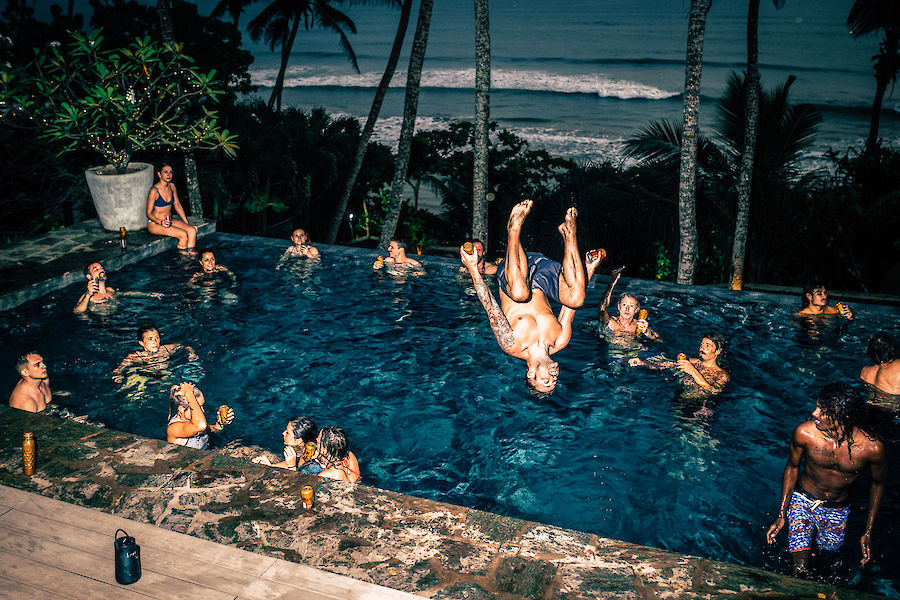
(121, 199)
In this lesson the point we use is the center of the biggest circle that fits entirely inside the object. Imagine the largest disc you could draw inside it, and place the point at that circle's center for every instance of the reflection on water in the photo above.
(408, 366)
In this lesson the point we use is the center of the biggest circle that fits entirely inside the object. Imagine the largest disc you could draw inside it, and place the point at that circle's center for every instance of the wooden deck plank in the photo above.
(34, 549)
(58, 581)
(337, 585)
(16, 589)
(43, 528)
(148, 536)
(170, 561)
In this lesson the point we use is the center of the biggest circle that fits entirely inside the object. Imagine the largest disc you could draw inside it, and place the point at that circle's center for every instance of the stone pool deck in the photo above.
(374, 536)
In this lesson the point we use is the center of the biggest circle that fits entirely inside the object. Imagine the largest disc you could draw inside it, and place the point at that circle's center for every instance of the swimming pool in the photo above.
(409, 368)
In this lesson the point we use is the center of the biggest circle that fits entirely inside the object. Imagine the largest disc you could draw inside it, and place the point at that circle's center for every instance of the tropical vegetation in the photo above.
(292, 168)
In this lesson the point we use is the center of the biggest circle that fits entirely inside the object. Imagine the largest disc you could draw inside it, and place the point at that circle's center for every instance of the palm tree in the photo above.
(232, 7)
(279, 22)
(871, 16)
(751, 112)
(343, 201)
(687, 211)
(167, 27)
(482, 116)
(407, 128)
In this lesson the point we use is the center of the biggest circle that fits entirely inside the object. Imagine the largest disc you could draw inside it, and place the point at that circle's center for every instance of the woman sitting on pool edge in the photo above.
(299, 432)
(188, 426)
(162, 199)
(333, 453)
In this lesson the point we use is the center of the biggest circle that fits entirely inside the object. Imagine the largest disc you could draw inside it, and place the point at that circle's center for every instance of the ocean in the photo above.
(578, 77)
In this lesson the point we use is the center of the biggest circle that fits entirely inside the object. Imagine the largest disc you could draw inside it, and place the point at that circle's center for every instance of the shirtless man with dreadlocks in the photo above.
(835, 453)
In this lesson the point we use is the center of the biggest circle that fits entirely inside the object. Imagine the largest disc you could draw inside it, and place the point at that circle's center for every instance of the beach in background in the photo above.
(578, 77)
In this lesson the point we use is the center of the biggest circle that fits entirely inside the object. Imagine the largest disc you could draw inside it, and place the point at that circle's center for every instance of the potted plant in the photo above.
(148, 95)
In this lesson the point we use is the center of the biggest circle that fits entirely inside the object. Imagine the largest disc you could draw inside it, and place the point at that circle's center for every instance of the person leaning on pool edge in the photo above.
(161, 201)
(32, 392)
(187, 426)
(298, 432)
(834, 452)
(815, 303)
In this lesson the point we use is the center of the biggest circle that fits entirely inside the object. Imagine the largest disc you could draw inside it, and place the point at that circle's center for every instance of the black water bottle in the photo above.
(128, 558)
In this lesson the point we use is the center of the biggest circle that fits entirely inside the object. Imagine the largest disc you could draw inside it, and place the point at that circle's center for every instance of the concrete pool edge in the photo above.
(377, 536)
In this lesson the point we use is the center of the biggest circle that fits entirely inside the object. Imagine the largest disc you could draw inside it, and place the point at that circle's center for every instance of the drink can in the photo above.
(306, 494)
(469, 248)
(642, 314)
(682, 356)
(596, 253)
(381, 259)
(839, 306)
(309, 450)
(223, 413)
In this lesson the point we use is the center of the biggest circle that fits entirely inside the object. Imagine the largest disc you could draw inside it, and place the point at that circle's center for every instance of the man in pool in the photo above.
(32, 392)
(815, 303)
(397, 257)
(98, 293)
(485, 267)
(523, 323)
(883, 374)
(301, 248)
(153, 354)
(835, 452)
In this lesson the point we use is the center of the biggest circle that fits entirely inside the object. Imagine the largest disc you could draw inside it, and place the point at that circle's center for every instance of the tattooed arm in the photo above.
(499, 323)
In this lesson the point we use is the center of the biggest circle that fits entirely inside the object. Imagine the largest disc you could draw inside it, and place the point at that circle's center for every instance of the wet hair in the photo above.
(303, 429)
(144, 329)
(880, 348)
(177, 399)
(529, 384)
(22, 361)
(206, 251)
(87, 268)
(402, 244)
(809, 288)
(624, 295)
(333, 447)
(843, 404)
(718, 340)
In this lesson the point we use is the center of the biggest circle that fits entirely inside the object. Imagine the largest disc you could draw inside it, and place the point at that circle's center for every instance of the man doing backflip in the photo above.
(523, 322)
(835, 452)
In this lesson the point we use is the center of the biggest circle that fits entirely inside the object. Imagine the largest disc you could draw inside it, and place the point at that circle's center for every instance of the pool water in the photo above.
(409, 368)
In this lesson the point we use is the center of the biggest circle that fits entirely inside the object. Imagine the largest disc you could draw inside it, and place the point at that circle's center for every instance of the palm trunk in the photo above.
(751, 119)
(883, 76)
(687, 182)
(366, 135)
(482, 118)
(286, 47)
(407, 129)
(167, 28)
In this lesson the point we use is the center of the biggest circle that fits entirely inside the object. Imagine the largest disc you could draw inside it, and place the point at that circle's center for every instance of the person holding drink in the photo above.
(299, 447)
(188, 426)
(163, 198)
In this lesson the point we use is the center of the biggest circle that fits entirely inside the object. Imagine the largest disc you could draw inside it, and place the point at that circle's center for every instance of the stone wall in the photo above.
(429, 548)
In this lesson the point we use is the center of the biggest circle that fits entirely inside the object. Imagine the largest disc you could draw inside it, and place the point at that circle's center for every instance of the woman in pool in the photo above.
(298, 432)
(188, 426)
(705, 376)
(333, 453)
(625, 324)
(162, 199)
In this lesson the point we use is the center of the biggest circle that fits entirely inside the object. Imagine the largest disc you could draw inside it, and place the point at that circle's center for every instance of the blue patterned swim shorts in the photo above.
(808, 515)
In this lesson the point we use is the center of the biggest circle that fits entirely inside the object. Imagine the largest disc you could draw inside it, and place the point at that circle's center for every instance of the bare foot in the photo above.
(567, 228)
(517, 215)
